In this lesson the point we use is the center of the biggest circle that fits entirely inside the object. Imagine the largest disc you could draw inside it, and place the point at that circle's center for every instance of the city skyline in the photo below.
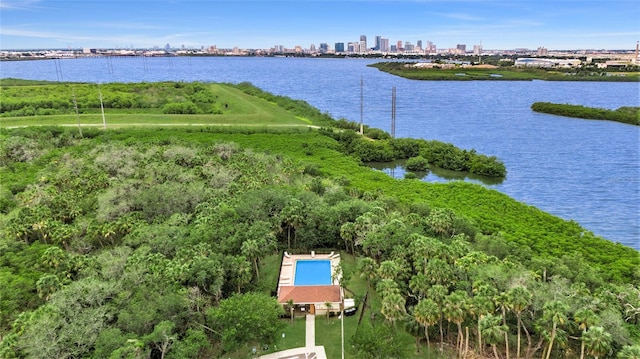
(568, 24)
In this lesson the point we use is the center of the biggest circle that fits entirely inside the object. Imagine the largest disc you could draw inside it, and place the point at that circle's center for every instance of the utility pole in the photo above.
(75, 105)
(342, 325)
(361, 105)
(104, 120)
(393, 112)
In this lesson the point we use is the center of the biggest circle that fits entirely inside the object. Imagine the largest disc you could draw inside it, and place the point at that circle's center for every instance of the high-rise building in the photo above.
(462, 48)
(431, 48)
(408, 47)
(384, 44)
(377, 47)
(477, 49)
(339, 46)
(324, 48)
(363, 42)
(393, 48)
(312, 48)
(419, 45)
(542, 51)
(399, 46)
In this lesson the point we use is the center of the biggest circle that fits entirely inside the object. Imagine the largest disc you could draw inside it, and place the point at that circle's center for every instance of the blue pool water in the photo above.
(312, 272)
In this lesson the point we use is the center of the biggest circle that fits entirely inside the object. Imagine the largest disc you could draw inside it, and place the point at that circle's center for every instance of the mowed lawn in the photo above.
(238, 109)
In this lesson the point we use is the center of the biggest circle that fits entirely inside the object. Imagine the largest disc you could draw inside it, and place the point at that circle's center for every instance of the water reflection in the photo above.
(396, 169)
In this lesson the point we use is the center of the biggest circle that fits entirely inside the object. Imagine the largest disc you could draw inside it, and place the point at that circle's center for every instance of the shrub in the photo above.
(418, 163)
(181, 108)
(410, 175)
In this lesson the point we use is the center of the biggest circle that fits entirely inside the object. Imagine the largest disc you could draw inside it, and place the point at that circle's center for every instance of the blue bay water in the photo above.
(586, 171)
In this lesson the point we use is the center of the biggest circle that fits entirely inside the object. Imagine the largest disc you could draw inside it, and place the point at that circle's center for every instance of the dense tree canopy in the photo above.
(149, 242)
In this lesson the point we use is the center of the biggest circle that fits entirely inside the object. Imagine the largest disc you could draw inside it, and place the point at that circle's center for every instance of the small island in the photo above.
(467, 71)
(629, 115)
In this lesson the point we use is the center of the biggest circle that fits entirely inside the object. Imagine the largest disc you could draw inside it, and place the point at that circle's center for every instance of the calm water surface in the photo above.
(587, 171)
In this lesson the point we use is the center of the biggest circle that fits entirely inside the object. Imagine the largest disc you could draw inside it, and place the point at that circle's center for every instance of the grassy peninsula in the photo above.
(159, 239)
(630, 115)
(414, 71)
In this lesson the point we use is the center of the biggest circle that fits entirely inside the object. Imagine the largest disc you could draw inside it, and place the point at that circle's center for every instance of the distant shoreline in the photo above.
(447, 72)
(628, 115)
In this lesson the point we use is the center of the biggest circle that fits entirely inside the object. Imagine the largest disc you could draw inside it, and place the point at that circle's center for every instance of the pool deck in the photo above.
(288, 270)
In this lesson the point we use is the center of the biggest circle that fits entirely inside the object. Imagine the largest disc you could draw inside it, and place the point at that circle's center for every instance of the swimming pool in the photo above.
(313, 272)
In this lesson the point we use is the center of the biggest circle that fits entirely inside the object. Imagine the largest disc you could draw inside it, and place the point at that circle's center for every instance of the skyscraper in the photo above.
(408, 47)
(339, 46)
(384, 44)
(363, 42)
(377, 47)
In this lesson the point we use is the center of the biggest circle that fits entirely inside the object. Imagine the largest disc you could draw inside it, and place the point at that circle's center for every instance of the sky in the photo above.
(260, 24)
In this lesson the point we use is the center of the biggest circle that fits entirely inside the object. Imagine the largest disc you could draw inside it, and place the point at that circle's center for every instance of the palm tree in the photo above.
(348, 234)
(597, 341)
(328, 306)
(439, 271)
(291, 215)
(438, 292)
(454, 310)
(393, 307)
(629, 352)
(585, 318)
(368, 269)
(290, 305)
(555, 313)
(493, 331)
(426, 313)
(387, 287)
(519, 298)
(502, 301)
(419, 284)
(251, 250)
(481, 305)
(388, 269)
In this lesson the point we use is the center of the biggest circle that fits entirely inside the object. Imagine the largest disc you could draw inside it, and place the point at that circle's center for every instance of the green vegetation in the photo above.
(139, 104)
(131, 242)
(168, 103)
(630, 115)
(407, 70)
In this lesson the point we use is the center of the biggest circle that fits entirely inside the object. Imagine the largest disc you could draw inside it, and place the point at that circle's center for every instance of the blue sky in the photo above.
(554, 24)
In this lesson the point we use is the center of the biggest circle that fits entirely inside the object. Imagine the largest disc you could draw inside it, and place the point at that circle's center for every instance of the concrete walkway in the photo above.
(298, 353)
(310, 333)
(310, 350)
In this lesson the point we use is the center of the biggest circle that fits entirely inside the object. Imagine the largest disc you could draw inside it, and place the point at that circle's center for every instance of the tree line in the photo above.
(630, 115)
(161, 97)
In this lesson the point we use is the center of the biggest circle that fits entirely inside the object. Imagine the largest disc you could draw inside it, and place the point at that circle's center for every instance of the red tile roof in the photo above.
(310, 294)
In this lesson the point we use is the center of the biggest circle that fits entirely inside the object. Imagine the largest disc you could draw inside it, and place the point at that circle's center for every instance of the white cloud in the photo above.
(18, 4)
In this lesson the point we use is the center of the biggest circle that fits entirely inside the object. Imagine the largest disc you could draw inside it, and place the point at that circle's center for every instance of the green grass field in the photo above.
(235, 107)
